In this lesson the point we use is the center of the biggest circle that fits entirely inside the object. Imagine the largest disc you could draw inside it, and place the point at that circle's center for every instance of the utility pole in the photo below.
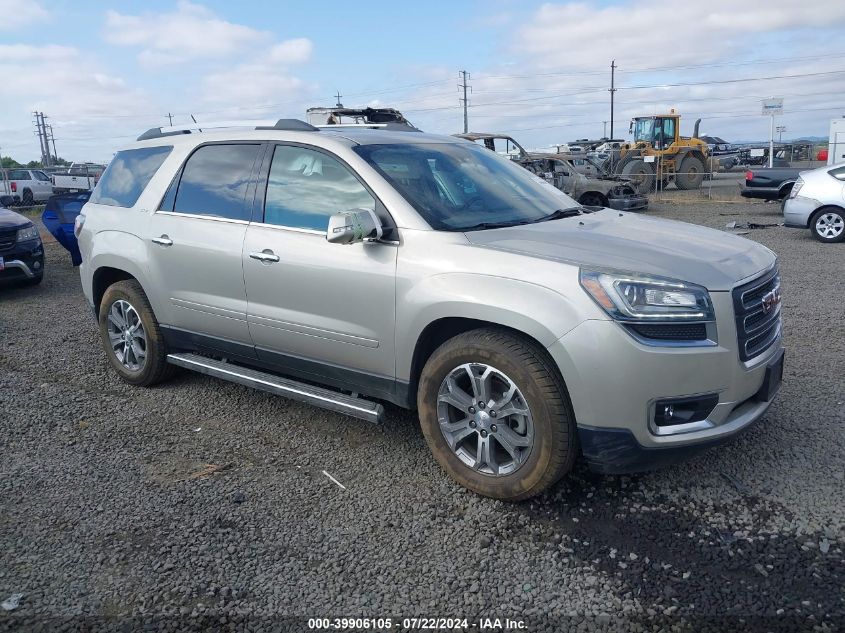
(465, 75)
(53, 138)
(170, 118)
(780, 130)
(604, 130)
(338, 96)
(43, 141)
(612, 91)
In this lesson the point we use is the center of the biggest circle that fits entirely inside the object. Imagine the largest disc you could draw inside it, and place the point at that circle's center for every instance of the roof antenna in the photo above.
(195, 121)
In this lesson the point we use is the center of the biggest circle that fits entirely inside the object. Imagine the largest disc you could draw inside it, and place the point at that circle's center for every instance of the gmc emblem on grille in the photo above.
(770, 300)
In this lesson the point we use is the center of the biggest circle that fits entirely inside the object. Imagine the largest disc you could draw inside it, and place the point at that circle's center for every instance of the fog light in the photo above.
(36, 265)
(684, 410)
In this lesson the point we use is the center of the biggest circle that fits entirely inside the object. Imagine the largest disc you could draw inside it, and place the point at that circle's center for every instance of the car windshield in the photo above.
(461, 186)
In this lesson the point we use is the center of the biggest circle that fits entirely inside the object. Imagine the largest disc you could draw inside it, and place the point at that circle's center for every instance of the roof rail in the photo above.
(281, 124)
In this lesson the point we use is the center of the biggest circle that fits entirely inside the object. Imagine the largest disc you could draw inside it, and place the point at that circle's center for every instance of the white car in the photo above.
(817, 202)
(26, 186)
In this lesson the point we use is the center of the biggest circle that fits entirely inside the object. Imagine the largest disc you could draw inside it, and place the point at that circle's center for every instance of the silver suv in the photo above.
(347, 266)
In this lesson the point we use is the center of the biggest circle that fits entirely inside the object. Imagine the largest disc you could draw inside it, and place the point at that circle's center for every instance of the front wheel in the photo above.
(828, 225)
(496, 415)
(131, 336)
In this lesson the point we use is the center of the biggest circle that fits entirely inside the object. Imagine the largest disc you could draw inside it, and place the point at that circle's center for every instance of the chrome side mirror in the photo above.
(355, 225)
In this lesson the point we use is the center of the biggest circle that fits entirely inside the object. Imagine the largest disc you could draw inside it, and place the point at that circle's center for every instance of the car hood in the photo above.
(635, 243)
(12, 220)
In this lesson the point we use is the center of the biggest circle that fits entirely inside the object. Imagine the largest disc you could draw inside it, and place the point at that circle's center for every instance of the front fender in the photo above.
(534, 310)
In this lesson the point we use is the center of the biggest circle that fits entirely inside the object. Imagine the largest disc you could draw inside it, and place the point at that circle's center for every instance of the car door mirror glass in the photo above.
(355, 225)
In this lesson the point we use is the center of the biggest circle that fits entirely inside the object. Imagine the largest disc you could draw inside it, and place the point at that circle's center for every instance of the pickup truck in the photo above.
(773, 183)
(25, 186)
(82, 177)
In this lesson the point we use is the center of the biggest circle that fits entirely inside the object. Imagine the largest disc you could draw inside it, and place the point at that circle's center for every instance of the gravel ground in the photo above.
(201, 504)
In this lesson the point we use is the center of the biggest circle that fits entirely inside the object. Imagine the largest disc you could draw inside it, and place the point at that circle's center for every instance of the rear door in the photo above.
(318, 309)
(194, 242)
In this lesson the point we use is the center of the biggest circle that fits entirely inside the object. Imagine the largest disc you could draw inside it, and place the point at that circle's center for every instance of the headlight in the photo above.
(796, 187)
(633, 297)
(27, 234)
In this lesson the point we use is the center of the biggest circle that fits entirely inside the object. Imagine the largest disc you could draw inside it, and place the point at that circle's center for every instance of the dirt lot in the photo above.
(202, 504)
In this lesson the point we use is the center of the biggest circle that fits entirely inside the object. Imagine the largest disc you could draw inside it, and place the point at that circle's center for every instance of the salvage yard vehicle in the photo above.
(78, 177)
(660, 153)
(817, 202)
(21, 250)
(341, 266)
(769, 183)
(26, 186)
(559, 171)
(339, 115)
(59, 218)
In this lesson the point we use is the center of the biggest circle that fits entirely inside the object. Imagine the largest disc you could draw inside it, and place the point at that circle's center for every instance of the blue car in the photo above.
(58, 217)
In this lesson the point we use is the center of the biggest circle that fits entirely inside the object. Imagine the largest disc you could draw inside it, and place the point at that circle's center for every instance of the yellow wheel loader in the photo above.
(682, 159)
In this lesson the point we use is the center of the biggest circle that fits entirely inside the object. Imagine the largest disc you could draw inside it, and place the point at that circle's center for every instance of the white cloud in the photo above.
(191, 32)
(661, 31)
(15, 14)
(294, 51)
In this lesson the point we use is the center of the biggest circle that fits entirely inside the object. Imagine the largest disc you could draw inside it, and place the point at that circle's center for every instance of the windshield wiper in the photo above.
(561, 213)
(481, 226)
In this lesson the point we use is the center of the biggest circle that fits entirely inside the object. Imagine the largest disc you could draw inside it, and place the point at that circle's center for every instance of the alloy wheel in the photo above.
(126, 335)
(830, 225)
(485, 419)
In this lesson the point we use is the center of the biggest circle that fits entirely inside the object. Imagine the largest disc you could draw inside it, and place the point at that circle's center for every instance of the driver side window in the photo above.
(306, 187)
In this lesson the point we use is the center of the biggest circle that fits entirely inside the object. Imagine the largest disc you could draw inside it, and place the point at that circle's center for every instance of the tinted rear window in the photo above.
(215, 181)
(128, 175)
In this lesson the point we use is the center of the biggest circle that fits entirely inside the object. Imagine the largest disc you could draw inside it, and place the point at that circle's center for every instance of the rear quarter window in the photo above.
(128, 174)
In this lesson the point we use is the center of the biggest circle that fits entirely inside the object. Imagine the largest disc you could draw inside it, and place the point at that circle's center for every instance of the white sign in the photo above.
(772, 107)
(648, 159)
(757, 151)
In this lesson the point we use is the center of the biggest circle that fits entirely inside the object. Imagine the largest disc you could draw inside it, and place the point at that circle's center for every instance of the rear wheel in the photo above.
(690, 174)
(27, 199)
(828, 225)
(496, 415)
(131, 336)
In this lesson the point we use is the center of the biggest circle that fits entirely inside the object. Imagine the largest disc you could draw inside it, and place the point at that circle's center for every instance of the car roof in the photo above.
(342, 135)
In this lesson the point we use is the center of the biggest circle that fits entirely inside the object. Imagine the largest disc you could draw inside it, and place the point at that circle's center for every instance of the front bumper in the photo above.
(628, 203)
(23, 261)
(797, 211)
(615, 381)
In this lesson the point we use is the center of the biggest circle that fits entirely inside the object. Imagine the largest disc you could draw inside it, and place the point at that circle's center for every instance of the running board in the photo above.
(317, 396)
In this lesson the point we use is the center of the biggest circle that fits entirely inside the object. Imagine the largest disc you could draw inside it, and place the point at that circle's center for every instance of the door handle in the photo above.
(162, 241)
(265, 256)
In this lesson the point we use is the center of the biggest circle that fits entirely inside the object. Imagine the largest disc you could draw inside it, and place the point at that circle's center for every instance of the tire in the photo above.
(690, 174)
(640, 173)
(547, 432)
(828, 225)
(592, 199)
(27, 198)
(153, 367)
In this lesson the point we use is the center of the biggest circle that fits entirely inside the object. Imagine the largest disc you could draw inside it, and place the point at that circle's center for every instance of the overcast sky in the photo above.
(105, 72)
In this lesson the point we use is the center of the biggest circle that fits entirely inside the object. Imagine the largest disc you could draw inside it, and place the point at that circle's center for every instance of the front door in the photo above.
(319, 309)
(194, 244)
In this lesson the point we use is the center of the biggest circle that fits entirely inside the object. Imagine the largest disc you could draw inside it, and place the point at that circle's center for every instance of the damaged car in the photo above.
(601, 190)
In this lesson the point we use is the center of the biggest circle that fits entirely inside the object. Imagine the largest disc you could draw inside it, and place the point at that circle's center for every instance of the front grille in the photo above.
(758, 322)
(7, 239)
(671, 331)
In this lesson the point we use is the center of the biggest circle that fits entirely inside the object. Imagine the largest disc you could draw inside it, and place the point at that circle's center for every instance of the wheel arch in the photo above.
(785, 189)
(593, 192)
(103, 277)
(827, 207)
